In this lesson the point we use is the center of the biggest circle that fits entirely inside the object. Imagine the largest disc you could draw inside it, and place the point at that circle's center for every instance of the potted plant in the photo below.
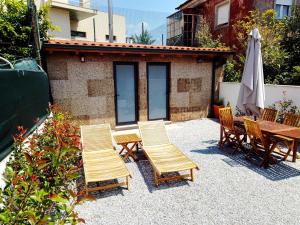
(217, 106)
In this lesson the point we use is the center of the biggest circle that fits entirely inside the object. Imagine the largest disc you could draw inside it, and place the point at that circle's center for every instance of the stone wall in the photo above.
(86, 89)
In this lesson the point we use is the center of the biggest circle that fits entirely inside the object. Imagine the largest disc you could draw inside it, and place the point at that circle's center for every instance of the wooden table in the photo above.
(128, 139)
(272, 128)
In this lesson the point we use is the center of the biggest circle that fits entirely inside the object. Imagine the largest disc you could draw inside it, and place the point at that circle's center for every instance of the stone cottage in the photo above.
(125, 83)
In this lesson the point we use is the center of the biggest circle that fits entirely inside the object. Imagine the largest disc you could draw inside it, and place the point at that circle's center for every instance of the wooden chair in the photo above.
(229, 133)
(100, 161)
(290, 120)
(165, 158)
(269, 115)
(259, 143)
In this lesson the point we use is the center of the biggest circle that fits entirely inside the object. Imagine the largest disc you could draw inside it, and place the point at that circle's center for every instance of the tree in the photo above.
(205, 38)
(15, 29)
(272, 32)
(143, 38)
(291, 43)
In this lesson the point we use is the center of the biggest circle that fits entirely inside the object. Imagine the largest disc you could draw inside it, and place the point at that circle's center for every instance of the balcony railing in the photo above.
(87, 4)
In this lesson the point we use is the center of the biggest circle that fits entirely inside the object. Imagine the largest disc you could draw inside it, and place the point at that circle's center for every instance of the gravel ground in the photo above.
(227, 189)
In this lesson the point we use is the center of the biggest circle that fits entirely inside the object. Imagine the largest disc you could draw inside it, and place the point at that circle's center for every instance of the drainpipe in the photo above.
(94, 26)
(110, 21)
(213, 81)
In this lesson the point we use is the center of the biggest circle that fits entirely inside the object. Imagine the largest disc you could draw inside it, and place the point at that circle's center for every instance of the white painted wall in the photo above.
(101, 27)
(61, 19)
(229, 91)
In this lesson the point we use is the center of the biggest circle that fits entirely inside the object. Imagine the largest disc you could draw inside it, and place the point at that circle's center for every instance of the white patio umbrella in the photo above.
(252, 91)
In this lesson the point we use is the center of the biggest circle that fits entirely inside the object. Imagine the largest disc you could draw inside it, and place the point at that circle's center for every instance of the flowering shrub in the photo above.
(40, 176)
(284, 106)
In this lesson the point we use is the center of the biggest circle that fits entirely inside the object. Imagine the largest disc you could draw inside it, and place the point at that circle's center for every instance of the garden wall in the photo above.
(229, 92)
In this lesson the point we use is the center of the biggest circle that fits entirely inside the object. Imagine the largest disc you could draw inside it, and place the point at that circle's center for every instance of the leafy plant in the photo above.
(205, 38)
(280, 47)
(284, 106)
(143, 38)
(231, 73)
(15, 28)
(40, 176)
(274, 55)
(219, 102)
(291, 43)
(239, 112)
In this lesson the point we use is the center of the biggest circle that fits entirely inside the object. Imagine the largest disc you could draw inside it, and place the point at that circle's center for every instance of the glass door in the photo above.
(126, 92)
(158, 91)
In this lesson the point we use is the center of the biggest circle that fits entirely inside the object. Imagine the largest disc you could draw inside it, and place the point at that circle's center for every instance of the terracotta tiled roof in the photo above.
(186, 3)
(70, 44)
(183, 4)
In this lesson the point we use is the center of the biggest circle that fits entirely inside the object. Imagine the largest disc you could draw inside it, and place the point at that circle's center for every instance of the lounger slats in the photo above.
(169, 159)
(100, 161)
(163, 156)
(96, 137)
(153, 133)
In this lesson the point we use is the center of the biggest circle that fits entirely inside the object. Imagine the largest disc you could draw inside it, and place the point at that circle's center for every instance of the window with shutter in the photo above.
(222, 13)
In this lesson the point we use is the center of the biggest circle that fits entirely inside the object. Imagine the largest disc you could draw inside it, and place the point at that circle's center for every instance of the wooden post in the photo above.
(127, 182)
(192, 175)
(155, 179)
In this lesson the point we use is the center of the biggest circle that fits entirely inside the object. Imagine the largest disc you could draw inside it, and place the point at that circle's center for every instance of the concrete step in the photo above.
(133, 126)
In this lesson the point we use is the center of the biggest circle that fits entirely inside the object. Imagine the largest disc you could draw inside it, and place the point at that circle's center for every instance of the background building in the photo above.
(78, 20)
(220, 14)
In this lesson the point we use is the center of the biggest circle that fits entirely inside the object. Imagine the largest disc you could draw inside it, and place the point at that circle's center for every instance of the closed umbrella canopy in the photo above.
(252, 91)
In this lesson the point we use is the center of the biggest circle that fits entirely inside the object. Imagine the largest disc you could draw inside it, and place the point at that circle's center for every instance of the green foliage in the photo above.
(239, 112)
(231, 73)
(205, 38)
(219, 102)
(143, 38)
(291, 42)
(284, 106)
(15, 28)
(40, 176)
(272, 31)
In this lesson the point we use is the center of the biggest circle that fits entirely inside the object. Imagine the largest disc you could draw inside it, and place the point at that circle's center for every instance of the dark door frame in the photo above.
(168, 67)
(136, 90)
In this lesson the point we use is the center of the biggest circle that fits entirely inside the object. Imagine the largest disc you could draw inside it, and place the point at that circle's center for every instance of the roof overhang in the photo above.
(76, 12)
(190, 4)
(124, 48)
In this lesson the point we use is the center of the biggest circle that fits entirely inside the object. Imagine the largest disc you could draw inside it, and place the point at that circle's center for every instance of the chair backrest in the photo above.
(291, 119)
(153, 133)
(96, 137)
(226, 118)
(269, 115)
(254, 132)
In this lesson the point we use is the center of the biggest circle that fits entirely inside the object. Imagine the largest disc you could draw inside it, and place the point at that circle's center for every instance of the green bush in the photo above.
(40, 176)
(284, 106)
(16, 31)
(280, 47)
(205, 38)
(231, 73)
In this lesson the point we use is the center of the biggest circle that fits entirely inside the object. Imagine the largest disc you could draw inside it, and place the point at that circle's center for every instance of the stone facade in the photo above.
(86, 89)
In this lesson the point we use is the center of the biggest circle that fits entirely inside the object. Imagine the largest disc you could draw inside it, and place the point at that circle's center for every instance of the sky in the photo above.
(147, 5)
(151, 13)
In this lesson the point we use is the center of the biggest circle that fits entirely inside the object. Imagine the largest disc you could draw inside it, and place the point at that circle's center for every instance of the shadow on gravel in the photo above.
(277, 172)
(80, 185)
(147, 173)
(108, 192)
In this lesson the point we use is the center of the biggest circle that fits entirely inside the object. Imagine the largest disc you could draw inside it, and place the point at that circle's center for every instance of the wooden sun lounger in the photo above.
(100, 161)
(164, 157)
